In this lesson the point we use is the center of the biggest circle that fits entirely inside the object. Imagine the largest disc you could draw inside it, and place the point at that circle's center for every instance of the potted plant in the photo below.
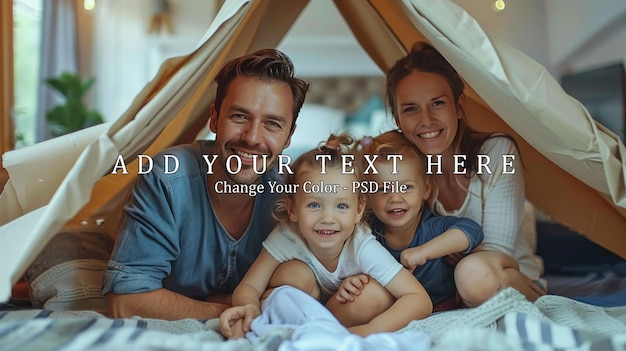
(73, 115)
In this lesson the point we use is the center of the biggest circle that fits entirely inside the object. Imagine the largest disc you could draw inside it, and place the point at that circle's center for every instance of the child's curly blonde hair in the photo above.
(389, 143)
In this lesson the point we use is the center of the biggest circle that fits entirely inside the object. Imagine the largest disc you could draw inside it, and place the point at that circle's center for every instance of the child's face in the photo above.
(326, 219)
(395, 209)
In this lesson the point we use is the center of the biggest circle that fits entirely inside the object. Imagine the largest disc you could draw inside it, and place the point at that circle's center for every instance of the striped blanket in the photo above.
(505, 322)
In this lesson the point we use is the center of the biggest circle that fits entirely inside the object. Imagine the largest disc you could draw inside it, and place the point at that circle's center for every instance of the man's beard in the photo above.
(247, 174)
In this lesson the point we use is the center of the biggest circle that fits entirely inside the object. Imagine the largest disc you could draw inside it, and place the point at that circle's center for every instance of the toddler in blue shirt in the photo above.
(405, 226)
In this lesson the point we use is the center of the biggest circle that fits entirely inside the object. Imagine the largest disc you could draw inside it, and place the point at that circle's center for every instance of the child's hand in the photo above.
(351, 287)
(237, 331)
(413, 257)
(533, 285)
(236, 320)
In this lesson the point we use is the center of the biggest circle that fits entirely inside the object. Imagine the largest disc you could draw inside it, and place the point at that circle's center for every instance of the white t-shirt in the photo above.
(496, 202)
(361, 254)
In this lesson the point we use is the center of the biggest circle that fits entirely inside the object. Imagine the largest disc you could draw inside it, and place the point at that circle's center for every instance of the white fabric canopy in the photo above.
(574, 167)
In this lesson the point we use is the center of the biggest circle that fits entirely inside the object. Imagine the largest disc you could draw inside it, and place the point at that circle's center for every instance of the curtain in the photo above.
(121, 55)
(59, 53)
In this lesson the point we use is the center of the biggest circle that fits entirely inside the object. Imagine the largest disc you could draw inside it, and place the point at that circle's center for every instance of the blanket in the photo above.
(506, 321)
(313, 327)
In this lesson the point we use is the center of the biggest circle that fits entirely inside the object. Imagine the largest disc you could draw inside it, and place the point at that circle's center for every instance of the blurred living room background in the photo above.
(110, 49)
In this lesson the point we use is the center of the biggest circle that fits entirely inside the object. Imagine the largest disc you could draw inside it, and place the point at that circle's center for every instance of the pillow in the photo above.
(67, 274)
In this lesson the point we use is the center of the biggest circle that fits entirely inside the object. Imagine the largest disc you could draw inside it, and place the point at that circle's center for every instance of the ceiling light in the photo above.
(499, 5)
(89, 4)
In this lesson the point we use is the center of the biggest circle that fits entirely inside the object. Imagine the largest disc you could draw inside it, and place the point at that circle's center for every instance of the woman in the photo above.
(426, 98)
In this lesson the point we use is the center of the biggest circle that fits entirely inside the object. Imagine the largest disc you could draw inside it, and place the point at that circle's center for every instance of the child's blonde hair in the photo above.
(394, 143)
(336, 146)
(389, 143)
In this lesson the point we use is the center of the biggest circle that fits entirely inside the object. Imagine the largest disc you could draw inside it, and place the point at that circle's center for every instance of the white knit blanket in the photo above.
(509, 322)
(505, 322)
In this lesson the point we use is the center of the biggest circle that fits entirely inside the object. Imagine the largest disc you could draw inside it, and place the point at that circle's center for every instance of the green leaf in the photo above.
(73, 115)
(58, 85)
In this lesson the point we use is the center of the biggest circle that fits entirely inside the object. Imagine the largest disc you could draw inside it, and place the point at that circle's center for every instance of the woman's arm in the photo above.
(412, 302)
(502, 199)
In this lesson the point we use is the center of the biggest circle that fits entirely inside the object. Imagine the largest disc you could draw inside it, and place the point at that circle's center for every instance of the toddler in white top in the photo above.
(320, 241)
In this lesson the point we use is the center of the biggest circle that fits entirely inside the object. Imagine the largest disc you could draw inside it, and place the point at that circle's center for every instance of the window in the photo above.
(26, 49)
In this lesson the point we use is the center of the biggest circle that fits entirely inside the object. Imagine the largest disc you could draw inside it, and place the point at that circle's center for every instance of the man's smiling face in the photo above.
(255, 118)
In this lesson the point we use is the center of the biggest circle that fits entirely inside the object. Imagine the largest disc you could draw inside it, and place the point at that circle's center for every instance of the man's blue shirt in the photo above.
(171, 237)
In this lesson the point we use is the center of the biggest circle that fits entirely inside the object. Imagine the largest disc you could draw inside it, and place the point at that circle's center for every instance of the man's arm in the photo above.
(147, 245)
(161, 304)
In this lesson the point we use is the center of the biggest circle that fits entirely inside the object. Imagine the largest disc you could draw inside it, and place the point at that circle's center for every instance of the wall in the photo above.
(607, 47)
(522, 24)
(562, 35)
(321, 29)
(578, 26)
(320, 43)
(559, 34)
(555, 33)
(125, 57)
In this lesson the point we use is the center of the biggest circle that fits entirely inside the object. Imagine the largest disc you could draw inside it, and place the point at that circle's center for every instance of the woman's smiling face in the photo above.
(426, 112)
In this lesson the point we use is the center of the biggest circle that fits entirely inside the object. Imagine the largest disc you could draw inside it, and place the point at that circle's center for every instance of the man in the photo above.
(183, 247)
